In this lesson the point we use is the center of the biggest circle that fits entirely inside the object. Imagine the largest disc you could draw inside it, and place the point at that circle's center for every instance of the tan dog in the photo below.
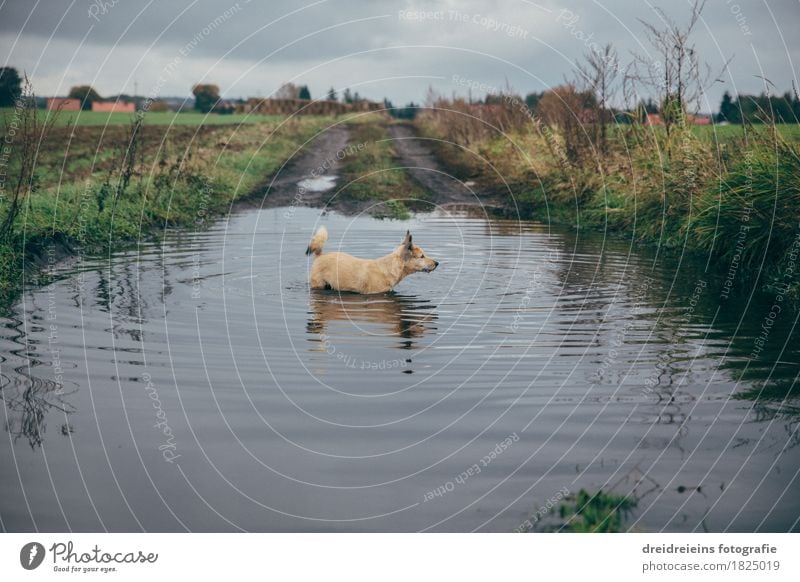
(344, 272)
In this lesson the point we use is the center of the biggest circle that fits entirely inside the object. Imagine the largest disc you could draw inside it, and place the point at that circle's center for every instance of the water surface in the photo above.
(197, 384)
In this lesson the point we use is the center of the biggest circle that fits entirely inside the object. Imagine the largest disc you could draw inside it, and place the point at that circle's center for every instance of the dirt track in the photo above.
(320, 156)
(426, 170)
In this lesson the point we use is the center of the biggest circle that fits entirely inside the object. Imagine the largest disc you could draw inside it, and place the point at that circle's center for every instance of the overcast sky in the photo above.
(378, 48)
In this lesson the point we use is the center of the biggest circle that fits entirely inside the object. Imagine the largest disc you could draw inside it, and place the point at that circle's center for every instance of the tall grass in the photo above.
(758, 201)
(700, 197)
(23, 133)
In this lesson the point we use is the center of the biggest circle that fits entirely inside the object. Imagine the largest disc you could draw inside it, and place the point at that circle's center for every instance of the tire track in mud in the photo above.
(320, 159)
(423, 166)
(323, 158)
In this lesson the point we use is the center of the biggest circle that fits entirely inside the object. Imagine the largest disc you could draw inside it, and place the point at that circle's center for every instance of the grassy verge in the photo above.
(94, 188)
(733, 193)
(373, 174)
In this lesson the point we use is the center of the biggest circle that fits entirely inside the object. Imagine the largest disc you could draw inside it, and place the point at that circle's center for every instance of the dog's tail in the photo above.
(317, 241)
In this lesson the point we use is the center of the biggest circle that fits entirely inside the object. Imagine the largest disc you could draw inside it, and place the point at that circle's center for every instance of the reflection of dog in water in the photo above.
(344, 272)
(396, 315)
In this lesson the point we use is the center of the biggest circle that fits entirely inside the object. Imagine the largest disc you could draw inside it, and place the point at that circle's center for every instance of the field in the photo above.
(727, 133)
(790, 131)
(95, 186)
(96, 118)
(99, 118)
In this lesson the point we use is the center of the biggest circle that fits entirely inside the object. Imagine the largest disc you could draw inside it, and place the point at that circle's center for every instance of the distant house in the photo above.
(225, 107)
(653, 119)
(114, 106)
(63, 104)
(700, 119)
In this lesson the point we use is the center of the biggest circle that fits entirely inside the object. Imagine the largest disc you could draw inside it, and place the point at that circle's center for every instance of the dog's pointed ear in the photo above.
(407, 241)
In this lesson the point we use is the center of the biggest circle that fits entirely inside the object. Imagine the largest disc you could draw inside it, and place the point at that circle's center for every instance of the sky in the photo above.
(379, 48)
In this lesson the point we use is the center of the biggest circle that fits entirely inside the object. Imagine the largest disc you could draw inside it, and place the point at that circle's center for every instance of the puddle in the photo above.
(343, 412)
(318, 184)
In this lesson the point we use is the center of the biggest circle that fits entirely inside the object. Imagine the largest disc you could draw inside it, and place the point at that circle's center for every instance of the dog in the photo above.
(343, 272)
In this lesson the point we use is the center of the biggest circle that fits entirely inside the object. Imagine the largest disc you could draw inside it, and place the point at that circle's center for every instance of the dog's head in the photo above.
(414, 258)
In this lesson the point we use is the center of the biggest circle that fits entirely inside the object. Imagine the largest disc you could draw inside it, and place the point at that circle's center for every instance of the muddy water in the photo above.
(197, 384)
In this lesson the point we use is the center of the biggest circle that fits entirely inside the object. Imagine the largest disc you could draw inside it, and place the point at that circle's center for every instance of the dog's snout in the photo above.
(435, 263)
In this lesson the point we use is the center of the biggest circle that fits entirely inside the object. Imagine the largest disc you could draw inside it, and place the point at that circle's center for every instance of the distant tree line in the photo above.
(759, 108)
(409, 111)
(590, 93)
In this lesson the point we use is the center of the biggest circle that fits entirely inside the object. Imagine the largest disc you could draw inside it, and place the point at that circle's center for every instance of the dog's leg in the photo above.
(317, 282)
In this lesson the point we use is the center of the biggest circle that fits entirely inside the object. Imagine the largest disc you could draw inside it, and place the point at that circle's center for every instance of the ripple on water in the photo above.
(288, 402)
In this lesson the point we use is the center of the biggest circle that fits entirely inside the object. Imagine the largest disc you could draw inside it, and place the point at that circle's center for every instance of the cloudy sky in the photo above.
(378, 48)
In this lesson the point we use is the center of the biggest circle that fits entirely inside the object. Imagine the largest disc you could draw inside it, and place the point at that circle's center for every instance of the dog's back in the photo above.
(345, 272)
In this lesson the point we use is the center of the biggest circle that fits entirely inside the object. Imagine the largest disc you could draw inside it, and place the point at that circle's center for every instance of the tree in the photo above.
(563, 107)
(495, 98)
(676, 76)
(158, 105)
(407, 112)
(598, 75)
(727, 110)
(347, 97)
(763, 108)
(288, 91)
(304, 93)
(332, 95)
(85, 94)
(532, 100)
(205, 97)
(10, 86)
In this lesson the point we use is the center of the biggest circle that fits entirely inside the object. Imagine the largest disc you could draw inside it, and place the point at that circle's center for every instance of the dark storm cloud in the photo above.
(263, 26)
(383, 48)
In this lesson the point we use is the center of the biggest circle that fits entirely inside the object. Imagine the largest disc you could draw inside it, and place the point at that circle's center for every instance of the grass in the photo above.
(758, 198)
(373, 175)
(586, 512)
(100, 118)
(180, 175)
(595, 512)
